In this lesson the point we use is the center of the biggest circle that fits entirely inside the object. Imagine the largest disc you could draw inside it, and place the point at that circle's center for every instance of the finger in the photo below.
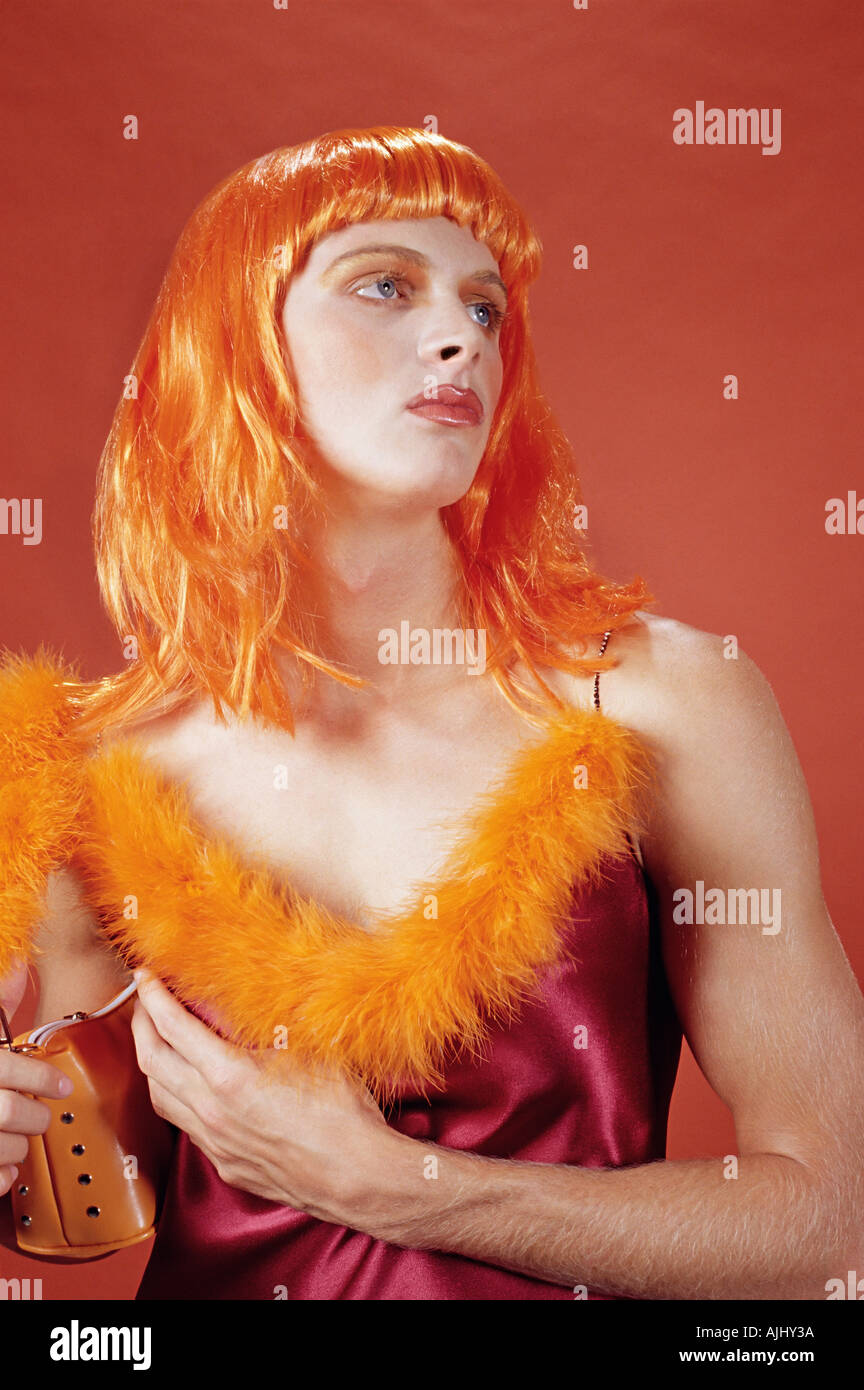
(21, 1072)
(13, 1148)
(175, 1111)
(185, 1033)
(157, 1059)
(21, 1115)
(7, 1178)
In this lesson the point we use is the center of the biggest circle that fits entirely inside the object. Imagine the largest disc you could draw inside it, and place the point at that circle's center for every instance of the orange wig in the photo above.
(205, 449)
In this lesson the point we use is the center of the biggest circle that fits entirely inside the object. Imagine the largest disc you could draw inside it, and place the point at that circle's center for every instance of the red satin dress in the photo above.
(536, 1095)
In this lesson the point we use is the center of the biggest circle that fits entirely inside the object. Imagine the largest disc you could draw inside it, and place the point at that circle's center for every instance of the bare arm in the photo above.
(774, 1018)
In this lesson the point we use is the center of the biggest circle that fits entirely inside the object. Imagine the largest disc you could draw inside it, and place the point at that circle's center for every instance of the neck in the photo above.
(375, 577)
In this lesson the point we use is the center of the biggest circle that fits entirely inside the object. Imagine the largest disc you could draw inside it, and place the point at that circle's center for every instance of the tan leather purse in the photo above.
(95, 1180)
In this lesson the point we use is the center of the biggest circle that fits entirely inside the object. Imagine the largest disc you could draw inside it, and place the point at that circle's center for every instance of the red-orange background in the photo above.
(704, 261)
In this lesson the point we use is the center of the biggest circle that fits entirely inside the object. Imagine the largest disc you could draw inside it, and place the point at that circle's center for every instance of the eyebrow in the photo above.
(486, 277)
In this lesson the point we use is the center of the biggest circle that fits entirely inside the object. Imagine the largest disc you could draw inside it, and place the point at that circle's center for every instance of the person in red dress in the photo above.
(334, 462)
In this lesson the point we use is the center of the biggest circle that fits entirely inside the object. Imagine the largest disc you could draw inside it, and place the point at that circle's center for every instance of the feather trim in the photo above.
(41, 793)
(287, 977)
(385, 1006)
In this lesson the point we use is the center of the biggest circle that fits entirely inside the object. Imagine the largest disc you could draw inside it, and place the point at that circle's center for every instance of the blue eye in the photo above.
(491, 311)
(495, 316)
(382, 280)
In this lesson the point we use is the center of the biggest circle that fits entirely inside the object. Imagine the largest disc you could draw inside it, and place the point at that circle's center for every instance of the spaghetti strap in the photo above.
(606, 636)
(634, 848)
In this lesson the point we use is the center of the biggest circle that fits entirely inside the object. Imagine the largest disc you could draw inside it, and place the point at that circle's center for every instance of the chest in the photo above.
(360, 823)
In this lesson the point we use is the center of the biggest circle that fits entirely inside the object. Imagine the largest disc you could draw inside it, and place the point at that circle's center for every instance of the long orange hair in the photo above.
(205, 449)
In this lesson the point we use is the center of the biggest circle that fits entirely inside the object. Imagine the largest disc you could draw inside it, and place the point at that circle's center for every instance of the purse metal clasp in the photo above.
(6, 1037)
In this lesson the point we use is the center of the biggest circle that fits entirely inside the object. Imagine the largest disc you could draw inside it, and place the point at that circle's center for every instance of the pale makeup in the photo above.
(367, 332)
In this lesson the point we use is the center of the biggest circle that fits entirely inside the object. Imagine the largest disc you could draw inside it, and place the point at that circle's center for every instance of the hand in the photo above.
(21, 1115)
(311, 1141)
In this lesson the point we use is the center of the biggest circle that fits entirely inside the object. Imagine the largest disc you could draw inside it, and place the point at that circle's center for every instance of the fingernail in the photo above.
(64, 1086)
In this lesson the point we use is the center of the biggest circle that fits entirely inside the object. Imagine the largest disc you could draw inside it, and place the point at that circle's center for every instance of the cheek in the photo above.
(493, 381)
(336, 357)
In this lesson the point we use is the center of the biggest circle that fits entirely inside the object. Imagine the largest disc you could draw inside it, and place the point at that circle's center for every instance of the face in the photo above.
(384, 312)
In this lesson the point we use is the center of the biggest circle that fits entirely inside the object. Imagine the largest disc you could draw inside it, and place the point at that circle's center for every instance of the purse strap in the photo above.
(33, 1041)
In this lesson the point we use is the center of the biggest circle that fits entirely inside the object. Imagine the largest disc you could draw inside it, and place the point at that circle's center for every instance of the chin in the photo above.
(440, 480)
(439, 487)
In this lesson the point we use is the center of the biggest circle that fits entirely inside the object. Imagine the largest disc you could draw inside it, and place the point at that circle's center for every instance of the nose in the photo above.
(448, 333)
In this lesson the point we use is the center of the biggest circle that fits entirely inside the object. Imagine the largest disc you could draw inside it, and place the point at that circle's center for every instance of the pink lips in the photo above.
(451, 405)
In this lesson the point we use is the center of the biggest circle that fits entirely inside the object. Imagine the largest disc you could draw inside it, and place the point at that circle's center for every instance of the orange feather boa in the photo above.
(285, 975)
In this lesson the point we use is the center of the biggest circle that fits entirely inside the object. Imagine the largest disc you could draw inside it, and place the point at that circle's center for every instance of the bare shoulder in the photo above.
(668, 672)
(170, 738)
(647, 645)
(723, 752)
(67, 924)
(674, 685)
(721, 747)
